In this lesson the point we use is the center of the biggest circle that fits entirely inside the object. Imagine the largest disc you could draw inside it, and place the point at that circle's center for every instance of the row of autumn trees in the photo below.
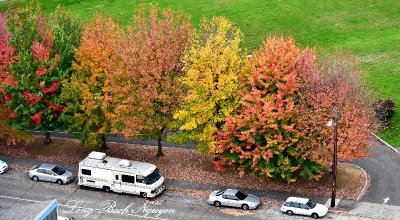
(157, 78)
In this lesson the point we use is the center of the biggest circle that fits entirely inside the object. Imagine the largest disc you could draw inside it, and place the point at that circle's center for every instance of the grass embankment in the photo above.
(188, 165)
(370, 29)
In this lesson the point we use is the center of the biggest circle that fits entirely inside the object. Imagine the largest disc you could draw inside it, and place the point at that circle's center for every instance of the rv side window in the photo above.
(116, 177)
(128, 179)
(140, 179)
(86, 172)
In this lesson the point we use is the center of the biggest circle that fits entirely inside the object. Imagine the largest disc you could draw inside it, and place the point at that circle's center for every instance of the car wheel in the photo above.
(106, 188)
(245, 207)
(59, 181)
(315, 215)
(143, 194)
(217, 204)
(35, 178)
(289, 212)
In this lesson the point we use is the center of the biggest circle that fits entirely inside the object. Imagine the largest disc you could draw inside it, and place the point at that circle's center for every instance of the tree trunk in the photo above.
(104, 144)
(159, 151)
(47, 138)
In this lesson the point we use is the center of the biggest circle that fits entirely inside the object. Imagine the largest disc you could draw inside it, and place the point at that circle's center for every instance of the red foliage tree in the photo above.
(7, 56)
(336, 85)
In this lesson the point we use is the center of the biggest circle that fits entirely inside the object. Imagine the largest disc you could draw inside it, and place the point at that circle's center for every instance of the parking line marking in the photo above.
(28, 200)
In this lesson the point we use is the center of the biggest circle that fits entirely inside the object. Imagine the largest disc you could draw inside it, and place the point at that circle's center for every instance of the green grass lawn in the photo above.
(368, 28)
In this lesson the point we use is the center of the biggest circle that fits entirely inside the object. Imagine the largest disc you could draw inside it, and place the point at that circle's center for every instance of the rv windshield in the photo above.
(153, 177)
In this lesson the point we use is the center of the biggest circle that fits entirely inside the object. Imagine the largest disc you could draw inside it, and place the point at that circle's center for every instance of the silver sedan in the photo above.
(233, 198)
(50, 173)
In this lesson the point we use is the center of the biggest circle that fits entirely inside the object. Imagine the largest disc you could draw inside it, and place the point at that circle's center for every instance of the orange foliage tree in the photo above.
(144, 92)
(280, 128)
(83, 92)
(261, 136)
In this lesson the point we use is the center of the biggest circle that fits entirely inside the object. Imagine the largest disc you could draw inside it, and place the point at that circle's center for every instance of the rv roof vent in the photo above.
(124, 163)
(97, 155)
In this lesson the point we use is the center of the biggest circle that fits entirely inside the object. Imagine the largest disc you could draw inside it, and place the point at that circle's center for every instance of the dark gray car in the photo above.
(50, 173)
(233, 198)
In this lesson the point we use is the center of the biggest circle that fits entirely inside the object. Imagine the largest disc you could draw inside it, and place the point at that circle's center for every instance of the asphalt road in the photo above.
(17, 189)
(383, 167)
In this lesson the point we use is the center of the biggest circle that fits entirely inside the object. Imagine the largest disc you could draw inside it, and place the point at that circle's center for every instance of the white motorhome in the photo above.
(124, 176)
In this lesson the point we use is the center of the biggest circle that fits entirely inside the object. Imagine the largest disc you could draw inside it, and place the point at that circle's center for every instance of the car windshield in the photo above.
(311, 204)
(240, 195)
(220, 192)
(153, 177)
(58, 170)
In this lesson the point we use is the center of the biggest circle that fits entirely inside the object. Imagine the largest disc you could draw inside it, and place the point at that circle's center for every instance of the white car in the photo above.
(303, 206)
(233, 198)
(3, 166)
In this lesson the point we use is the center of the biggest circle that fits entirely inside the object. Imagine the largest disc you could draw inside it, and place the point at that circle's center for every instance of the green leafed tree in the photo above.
(7, 58)
(41, 66)
(213, 67)
(83, 92)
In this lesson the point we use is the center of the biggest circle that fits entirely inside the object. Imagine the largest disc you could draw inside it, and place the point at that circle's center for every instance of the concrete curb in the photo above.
(385, 143)
(365, 183)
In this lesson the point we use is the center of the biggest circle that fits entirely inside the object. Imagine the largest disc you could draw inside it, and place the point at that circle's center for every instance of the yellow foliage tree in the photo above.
(213, 66)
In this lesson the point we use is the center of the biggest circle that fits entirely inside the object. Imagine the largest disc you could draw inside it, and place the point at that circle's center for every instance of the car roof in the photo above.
(2, 161)
(47, 166)
(297, 199)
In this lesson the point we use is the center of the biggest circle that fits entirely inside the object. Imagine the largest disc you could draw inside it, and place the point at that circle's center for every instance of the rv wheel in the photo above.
(143, 194)
(106, 188)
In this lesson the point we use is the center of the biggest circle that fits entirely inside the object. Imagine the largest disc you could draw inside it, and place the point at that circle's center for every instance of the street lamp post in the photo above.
(334, 164)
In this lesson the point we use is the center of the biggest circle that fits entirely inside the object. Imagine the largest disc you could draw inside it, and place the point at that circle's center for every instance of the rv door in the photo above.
(128, 184)
(117, 182)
